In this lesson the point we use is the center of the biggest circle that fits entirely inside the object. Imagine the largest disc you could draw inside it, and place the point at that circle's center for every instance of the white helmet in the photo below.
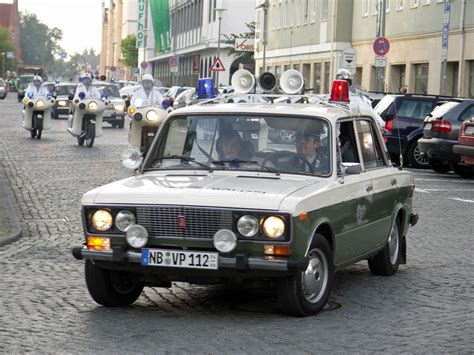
(344, 74)
(148, 77)
(37, 78)
(86, 75)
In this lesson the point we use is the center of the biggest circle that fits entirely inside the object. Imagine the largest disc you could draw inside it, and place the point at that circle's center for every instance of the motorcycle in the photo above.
(37, 114)
(85, 122)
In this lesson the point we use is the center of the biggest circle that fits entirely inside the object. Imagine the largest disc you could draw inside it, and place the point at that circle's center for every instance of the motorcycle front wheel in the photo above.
(38, 133)
(80, 141)
(33, 133)
(90, 134)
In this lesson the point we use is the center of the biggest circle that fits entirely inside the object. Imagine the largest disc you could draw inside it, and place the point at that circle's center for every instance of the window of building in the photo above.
(387, 6)
(282, 15)
(365, 8)
(277, 70)
(306, 11)
(358, 76)
(425, 2)
(313, 12)
(375, 7)
(471, 79)
(297, 12)
(317, 78)
(290, 13)
(399, 5)
(286, 67)
(324, 10)
(327, 73)
(413, 3)
(421, 78)
(296, 67)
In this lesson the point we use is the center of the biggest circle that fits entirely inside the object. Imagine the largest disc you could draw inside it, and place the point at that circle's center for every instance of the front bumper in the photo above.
(240, 262)
(438, 148)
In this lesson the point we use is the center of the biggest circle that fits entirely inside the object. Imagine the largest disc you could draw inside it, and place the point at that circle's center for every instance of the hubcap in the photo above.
(420, 159)
(393, 244)
(123, 282)
(314, 280)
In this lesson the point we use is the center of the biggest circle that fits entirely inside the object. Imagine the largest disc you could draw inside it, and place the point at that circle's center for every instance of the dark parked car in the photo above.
(404, 116)
(440, 134)
(63, 93)
(465, 146)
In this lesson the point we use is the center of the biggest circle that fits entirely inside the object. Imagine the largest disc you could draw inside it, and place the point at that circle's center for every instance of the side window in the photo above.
(467, 114)
(347, 144)
(370, 146)
(415, 108)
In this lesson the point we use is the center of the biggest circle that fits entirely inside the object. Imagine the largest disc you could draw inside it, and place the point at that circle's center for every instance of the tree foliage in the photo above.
(6, 45)
(129, 51)
(230, 41)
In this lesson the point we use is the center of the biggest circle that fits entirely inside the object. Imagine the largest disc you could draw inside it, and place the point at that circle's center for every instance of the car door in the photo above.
(383, 182)
(356, 198)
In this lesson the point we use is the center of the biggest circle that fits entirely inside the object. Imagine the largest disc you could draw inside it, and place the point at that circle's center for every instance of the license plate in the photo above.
(180, 258)
(469, 130)
(428, 126)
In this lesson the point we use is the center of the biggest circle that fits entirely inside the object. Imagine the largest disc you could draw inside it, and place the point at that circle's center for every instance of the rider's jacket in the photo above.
(154, 98)
(90, 93)
(42, 91)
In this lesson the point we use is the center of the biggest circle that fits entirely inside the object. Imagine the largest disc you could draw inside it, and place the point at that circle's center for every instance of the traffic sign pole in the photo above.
(444, 46)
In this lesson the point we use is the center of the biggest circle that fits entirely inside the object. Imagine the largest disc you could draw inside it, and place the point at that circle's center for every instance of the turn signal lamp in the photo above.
(340, 91)
(132, 110)
(25, 100)
(280, 250)
(98, 243)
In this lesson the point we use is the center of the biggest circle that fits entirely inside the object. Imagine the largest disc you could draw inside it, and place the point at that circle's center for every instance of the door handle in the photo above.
(393, 182)
(369, 188)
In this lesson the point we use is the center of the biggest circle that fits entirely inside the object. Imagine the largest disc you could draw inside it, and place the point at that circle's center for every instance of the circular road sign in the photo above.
(113, 69)
(144, 65)
(381, 46)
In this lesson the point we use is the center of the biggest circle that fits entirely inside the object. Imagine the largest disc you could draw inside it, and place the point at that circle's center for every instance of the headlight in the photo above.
(247, 226)
(137, 236)
(224, 240)
(62, 103)
(93, 105)
(102, 220)
(152, 116)
(124, 220)
(39, 103)
(118, 108)
(132, 158)
(274, 227)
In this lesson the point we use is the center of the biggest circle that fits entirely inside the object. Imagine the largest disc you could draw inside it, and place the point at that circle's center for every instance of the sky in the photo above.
(80, 20)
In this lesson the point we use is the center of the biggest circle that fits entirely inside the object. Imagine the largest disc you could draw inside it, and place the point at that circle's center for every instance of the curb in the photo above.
(10, 229)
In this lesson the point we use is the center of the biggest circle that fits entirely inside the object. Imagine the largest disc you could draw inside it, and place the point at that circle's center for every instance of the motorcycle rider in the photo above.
(85, 87)
(36, 88)
(146, 96)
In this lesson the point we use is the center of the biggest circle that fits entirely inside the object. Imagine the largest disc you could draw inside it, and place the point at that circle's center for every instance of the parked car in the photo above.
(116, 110)
(404, 116)
(124, 83)
(3, 89)
(63, 93)
(193, 212)
(174, 91)
(465, 146)
(440, 134)
(185, 98)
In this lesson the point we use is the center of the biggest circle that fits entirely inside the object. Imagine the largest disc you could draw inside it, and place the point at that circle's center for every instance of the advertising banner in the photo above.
(141, 24)
(160, 14)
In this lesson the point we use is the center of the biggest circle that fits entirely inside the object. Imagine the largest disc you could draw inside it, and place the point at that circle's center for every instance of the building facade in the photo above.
(9, 18)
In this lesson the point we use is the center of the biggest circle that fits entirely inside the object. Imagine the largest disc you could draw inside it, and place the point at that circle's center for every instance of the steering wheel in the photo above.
(285, 154)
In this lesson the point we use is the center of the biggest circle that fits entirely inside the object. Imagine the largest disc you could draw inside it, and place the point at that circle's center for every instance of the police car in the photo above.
(215, 200)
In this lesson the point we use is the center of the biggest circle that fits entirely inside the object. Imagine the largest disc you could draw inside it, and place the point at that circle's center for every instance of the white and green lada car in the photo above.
(217, 199)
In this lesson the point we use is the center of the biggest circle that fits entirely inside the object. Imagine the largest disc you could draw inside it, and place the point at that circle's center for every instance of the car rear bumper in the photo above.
(438, 148)
(239, 262)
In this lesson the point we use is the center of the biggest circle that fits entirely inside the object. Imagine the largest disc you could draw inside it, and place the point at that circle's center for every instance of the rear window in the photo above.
(443, 109)
(384, 104)
(415, 108)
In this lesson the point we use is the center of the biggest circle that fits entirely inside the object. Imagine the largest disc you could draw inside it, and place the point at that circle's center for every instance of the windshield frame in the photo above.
(163, 130)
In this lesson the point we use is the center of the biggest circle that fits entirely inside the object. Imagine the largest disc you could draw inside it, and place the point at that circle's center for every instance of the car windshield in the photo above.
(65, 90)
(275, 144)
(109, 91)
(26, 79)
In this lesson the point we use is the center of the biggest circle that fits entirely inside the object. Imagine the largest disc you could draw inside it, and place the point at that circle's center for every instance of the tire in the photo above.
(111, 288)
(121, 124)
(439, 166)
(33, 133)
(463, 171)
(80, 141)
(38, 134)
(387, 261)
(293, 292)
(90, 134)
(414, 157)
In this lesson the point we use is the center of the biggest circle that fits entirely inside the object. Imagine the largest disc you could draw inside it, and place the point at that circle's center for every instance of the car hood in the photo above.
(218, 189)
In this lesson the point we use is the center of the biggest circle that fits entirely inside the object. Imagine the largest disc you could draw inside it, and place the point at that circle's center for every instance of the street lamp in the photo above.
(219, 11)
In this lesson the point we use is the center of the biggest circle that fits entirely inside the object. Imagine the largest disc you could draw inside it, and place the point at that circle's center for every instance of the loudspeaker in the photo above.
(291, 81)
(267, 81)
(243, 81)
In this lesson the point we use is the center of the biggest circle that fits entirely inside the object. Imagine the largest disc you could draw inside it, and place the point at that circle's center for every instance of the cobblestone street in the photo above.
(427, 307)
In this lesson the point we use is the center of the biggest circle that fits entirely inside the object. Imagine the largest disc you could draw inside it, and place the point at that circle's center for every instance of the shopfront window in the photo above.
(421, 78)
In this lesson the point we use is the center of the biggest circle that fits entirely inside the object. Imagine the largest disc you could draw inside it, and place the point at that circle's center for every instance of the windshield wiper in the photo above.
(188, 159)
(238, 161)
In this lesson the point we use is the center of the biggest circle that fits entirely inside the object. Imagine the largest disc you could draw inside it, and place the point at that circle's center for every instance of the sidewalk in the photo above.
(10, 229)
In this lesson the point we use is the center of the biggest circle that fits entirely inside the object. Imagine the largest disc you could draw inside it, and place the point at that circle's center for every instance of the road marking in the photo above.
(462, 200)
(445, 180)
(447, 190)
(421, 190)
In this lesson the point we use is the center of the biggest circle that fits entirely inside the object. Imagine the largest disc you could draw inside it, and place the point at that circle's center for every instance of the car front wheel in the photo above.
(439, 166)
(306, 292)
(414, 156)
(111, 288)
(387, 260)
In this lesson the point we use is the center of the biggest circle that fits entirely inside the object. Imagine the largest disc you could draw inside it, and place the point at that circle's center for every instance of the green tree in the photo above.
(130, 51)
(6, 45)
(230, 41)
(39, 43)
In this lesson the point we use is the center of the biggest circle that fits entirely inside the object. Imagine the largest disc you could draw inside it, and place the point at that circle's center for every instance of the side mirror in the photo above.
(351, 168)
(127, 102)
(124, 97)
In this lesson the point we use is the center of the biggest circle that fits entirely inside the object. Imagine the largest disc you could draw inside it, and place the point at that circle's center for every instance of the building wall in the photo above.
(10, 19)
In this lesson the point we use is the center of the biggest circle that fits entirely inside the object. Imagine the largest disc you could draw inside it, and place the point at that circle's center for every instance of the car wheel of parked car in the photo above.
(439, 166)
(33, 133)
(121, 124)
(414, 156)
(387, 260)
(306, 292)
(111, 288)
(463, 171)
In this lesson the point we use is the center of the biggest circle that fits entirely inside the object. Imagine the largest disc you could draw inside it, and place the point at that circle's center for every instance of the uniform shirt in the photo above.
(154, 98)
(91, 93)
(42, 91)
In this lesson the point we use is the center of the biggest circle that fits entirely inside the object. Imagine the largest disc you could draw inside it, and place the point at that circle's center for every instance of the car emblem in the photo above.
(181, 223)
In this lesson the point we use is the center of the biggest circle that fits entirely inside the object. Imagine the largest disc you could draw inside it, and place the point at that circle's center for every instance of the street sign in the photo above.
(217, 65)
(10, 55)
(113, 69)
(244, 44)
(174, 64)
(381, 46)
(136, 71)
(144, 65)
(447, 5)
(142, 8)
(63, 55)
(380, 61)
(349, 59)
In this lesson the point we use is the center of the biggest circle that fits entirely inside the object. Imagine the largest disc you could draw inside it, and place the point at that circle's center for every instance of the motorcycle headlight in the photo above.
(118, 108)
(92, 106)
(274, 227)
(39, 103)
(124, 220)
(152, 116)
(102, 220)
(62, 103)
(247, 226)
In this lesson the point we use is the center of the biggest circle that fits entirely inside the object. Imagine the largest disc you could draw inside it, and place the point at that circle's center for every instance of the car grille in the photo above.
(168, 222)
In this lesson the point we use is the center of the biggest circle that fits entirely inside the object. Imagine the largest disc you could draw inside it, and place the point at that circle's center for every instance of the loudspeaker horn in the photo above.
(291, 81)
(243, 81)
(267, 81)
